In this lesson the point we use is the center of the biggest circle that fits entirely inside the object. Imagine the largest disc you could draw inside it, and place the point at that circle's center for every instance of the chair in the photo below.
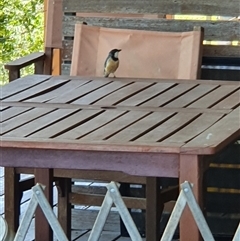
(5, 233)
(145, 54)
(175, 55)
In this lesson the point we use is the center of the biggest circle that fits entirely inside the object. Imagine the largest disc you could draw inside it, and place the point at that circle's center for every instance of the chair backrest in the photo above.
(217, 17)
(145, 54)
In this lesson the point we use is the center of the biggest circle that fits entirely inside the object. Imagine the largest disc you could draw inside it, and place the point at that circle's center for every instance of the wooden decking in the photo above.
(83, 218)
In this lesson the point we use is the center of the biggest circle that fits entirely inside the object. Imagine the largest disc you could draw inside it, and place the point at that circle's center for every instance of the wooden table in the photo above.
(160, 128)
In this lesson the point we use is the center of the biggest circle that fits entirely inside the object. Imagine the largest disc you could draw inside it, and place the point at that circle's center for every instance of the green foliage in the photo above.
(21, 31)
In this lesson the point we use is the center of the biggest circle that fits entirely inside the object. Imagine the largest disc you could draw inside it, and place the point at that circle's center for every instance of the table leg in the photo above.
(64, 205)
(154, 208)
(191, 169)
(12, 197)
(42, 229)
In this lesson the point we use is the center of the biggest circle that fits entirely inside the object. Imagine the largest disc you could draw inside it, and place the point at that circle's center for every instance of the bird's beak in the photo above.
(119, 50)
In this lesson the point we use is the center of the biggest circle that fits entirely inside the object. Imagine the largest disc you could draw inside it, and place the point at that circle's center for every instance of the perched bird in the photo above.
(112, 62)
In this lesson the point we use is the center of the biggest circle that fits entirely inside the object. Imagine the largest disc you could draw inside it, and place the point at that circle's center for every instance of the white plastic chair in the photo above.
(5, 233)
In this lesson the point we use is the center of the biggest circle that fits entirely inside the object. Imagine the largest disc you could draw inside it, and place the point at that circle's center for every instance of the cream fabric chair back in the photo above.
(145, 54)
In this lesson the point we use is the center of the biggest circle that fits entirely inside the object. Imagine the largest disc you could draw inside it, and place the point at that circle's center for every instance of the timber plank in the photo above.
(146, 94)
(214, 30)
(221, 51)
(230, 102)
(105, 235)
(79, 92)
(21, 84)
(84, 219)
(191, 96)
(91, 125)
(205, 7)
(126, 108)
(222, 132)
(12, 112)
(99, 175)
(37, 89)
(115, 126)
(3, 108)
(167, 128)
(69, 86)
(214, 97)
(67, 123)
(100, 93)
(169, 95)
(208, 50)
(40, 122)
(123, 93)
(23, 119)
(140, 127)
(194, 128)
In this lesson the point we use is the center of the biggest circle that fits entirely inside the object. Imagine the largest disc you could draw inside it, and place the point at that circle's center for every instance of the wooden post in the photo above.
(154, 208)
(12, 198)
(64, 205)
(45, 177)
(191, 170)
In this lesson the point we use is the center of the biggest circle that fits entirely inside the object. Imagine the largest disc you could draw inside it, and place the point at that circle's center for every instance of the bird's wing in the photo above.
(105, 63)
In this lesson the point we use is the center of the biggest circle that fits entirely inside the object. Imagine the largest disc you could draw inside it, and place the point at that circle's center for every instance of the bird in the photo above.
(111, 63)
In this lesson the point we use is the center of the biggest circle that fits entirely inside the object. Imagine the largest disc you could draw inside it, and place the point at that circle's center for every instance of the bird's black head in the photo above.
(114, 53)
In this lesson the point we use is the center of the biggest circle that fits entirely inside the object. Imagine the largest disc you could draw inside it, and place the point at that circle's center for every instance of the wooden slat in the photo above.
(37, 89)
(65, 124)
(194, 128)
(167, 128)
(214, 7)
(140, 127)
(123, 93)
(146, 94)
(226, 30)
(99, 175)
(96, 145)
(25, 60)
(72, 85)
(119, 107)
(191, 96)
(97, 199)
(54, 24)
(169, 95)
(23, 119)
(100, 93)
(3, 108)
(19, 85)
(40, 123)
(92, 125)
(230, 102)
(208, 50)
(220, 74)
(221, 133)
(115, 126)
(12, 112)
(220, 51)
(105, 235)
(79, 92)
(214, 97)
